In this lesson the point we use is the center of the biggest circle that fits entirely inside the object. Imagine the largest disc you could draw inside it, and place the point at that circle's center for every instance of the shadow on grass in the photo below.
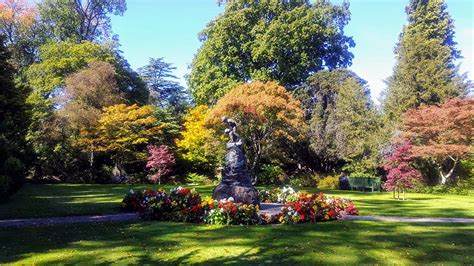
(346, 242)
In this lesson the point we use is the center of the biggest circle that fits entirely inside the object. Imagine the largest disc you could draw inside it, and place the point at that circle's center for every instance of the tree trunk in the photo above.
(445, 177)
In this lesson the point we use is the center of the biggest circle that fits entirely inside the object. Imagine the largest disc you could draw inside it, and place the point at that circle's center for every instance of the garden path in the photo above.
(266, 209)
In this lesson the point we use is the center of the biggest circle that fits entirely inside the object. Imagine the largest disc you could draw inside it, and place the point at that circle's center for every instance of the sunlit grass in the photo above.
(73, 199)
(351, 242)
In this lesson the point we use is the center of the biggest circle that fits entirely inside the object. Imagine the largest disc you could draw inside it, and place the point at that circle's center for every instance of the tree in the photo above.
(400, 173)
(79, 20)
(425, 71)
(277, 40)
(85, 95)
(19, 25)
(13, 124)
(160, 161)
(200, 146)
(357, 128)
(442, 133)
(318, 96)
(163, 86)
(125, 131)
(266, 114)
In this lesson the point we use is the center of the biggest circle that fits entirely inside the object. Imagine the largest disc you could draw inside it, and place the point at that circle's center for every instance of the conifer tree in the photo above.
(425, 71)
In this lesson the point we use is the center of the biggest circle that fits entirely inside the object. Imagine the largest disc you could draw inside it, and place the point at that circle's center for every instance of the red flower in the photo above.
(302, 217)
(185, 210)
(196, 209)
(184, 191)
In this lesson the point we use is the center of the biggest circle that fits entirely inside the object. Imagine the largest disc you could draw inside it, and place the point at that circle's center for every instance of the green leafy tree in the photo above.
(19, 23)
(425, 72)
(277, 40)
(79, 20)
(357, 128)
(166, 91)
(339, 111)
(13, 124)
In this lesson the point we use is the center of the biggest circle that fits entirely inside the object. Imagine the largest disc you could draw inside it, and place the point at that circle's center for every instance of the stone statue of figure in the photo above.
(236, 181)
(232, 131)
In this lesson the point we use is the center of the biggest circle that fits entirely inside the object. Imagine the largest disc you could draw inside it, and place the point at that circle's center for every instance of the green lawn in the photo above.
(341, 242)
(67, 199)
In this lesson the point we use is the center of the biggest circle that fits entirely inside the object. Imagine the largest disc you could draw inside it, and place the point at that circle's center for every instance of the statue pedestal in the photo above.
(241, 192)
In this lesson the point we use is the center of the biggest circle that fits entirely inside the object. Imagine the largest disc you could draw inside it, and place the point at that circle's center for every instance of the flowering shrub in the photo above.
(186, 205)
(228, 212)
(277, 195)
(132, 201)
(315, 208)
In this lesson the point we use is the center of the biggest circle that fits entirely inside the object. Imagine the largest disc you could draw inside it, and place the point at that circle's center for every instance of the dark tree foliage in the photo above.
(275, 40)
(163, 87)
(13, 124)
(339, 113)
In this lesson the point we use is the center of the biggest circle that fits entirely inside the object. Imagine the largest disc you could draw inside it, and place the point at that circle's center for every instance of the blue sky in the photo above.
(169, 29)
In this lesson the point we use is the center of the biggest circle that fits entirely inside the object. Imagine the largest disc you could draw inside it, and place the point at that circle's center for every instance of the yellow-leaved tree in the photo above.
(201, 147)
(124, 131)
(268, 116)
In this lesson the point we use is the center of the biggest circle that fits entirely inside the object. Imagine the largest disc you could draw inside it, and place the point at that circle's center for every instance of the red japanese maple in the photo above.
(442, 133)
(161, 162)
(401, 174)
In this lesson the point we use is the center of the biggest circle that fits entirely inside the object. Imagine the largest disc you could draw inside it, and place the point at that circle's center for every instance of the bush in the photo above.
(11, 177)
(193, 178)
(271, 175)
(304, 180)
(329, 182)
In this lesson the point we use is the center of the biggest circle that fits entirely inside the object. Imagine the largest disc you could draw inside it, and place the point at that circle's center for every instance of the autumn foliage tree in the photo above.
(400, 173)
(201, 147)
(124, 131)
(266, 113)
(442, 133)
(85, 95)
(161, 162)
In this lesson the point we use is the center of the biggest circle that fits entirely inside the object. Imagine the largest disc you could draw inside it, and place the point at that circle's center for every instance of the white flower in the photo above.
(231, 199)
(131, 191)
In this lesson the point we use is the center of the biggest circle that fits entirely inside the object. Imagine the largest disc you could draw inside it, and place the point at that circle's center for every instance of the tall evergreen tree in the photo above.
(162, 84)
(425, 71)
(13, 124)
(341, 120)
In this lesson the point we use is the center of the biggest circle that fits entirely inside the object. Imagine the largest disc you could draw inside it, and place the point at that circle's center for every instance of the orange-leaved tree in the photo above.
(267, 116)
(442, 133)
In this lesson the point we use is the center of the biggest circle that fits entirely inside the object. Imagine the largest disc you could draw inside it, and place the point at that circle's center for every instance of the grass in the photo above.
(68, 199)
(341, 242)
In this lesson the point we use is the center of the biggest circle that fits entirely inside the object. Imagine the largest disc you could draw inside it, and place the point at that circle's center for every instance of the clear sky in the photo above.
(169, 29)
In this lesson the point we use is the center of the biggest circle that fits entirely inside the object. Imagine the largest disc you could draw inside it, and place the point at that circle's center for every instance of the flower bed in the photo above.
(186, 205)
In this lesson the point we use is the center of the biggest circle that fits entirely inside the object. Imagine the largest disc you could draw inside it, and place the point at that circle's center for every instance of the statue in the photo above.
(236, 180)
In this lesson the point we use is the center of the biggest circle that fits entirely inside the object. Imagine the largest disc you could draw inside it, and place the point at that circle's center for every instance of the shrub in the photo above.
(132, 201)
(271, 174)
(193, 178)
(329, 182)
